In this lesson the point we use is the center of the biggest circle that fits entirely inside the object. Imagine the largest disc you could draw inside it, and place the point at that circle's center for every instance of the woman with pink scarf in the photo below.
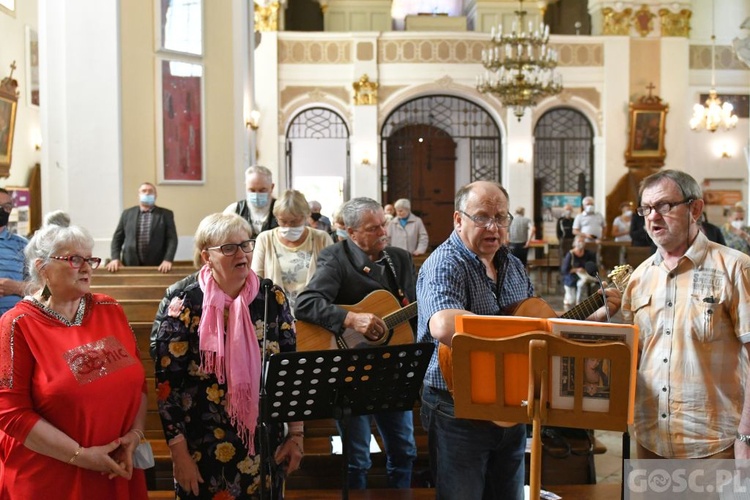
(206, 343)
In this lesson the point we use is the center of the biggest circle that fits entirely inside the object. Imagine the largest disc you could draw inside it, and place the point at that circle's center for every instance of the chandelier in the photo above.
(714, 114)
(520, 67)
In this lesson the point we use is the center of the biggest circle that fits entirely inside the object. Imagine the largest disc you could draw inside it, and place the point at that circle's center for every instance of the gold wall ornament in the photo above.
(267, 17)
(616, 23)
(643, 20)
(675, 23)
(365, 91)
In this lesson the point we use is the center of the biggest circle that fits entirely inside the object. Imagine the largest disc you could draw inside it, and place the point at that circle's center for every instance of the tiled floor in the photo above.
(609, 464)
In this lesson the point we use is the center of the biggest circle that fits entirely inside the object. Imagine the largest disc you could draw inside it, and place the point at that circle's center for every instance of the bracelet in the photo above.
(75, 455)
(301, 451)
(745, 438)
(139, 433)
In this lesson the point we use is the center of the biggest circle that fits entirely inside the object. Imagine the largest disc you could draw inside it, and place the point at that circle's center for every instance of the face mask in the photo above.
(342, 234)
(315, 216)
(148, 199)
(291, 233)
(628, 213)
(566, 214)
(589, 209)
(258, 200)
(738, 224)
(4, 216)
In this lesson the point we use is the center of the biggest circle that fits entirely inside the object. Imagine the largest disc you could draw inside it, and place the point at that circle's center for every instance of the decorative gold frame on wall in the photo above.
(647, 129)
(8, 108)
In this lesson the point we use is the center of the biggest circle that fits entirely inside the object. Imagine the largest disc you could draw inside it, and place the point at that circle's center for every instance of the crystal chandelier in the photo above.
(714, 114)
(520, 68)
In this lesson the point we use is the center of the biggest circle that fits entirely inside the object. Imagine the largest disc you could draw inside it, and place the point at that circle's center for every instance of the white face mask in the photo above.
(628, 213)
(589, 209)
(738, 224)
(292, 233)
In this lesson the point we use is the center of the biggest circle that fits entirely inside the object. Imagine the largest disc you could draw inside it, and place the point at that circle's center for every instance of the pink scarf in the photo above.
(235, 357)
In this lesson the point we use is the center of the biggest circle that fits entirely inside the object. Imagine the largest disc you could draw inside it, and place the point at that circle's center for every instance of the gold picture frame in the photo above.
(8, 108)
(646, 146)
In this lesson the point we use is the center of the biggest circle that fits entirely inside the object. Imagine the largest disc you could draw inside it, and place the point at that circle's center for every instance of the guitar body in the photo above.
(311, 337)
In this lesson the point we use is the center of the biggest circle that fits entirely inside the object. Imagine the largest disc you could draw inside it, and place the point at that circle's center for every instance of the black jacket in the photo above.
(162, 243)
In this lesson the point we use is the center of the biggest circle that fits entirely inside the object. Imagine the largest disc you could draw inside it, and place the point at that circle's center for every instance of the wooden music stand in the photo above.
(473, 401)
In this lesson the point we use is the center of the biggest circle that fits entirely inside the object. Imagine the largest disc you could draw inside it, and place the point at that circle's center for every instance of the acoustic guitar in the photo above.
(536, 307)
(311, 337)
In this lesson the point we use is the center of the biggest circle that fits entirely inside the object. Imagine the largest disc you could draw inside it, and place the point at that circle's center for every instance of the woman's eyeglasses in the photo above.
(76, 261)
(230, 249)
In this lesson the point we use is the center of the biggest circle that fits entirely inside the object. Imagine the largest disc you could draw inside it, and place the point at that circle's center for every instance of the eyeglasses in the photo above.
(230, 249)
(76, 261)
(661, 208)
(485, 222)
(8, 207)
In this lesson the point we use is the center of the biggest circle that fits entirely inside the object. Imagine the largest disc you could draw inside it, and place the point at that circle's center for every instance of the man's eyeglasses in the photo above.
(76, 261)
(230, 249)
(661, 208)
(8, 207)
(485, 222)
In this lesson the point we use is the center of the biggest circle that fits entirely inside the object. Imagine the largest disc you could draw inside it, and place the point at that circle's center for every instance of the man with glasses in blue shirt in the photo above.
(12, 268)
(473, 272)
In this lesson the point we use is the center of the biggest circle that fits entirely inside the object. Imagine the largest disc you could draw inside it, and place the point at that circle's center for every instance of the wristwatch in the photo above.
(745, 438)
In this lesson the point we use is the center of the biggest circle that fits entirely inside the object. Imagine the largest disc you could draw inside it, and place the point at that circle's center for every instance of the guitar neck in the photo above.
(585, 308)
(397, 317)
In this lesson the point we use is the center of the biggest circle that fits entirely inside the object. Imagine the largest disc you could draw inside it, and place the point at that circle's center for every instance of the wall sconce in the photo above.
(365, 161)
(254, 120)
(521, 153)
(724, 149)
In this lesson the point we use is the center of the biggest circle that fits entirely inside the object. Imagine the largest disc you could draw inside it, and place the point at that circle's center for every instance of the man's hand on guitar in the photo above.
(614, 299)
(369, 325)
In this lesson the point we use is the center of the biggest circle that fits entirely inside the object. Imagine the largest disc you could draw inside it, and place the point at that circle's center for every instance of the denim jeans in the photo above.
(471, 459)
(397, 431)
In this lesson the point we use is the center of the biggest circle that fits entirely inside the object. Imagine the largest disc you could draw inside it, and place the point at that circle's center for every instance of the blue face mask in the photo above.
(342, 234)
(148, 199)
(258, 200)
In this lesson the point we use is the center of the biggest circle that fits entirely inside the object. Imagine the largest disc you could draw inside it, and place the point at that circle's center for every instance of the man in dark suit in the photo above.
(347, 272)
(145, 236)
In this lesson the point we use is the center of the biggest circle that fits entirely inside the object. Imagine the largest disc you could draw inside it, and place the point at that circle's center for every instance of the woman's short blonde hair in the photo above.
(214, 229)
(291, 203)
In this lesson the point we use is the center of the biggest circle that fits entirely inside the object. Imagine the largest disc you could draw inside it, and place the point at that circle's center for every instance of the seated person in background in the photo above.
(145, 236)
(573, 272)
(347, 273)
(406, 230)
(734, 230)
(257, 207)
(339, 228)
(590, 223)
(12, 266)
(288, 254)
(621, 224)
(389, 211)
(318, 220)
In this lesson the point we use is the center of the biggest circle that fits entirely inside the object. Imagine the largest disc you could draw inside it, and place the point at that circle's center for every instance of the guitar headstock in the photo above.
(620, 276)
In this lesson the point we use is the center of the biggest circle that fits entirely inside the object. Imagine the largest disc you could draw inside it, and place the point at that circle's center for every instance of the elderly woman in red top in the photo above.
(72, 387)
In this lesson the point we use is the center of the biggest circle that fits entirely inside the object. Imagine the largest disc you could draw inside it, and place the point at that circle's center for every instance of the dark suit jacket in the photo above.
(162, 245)
(345, 275)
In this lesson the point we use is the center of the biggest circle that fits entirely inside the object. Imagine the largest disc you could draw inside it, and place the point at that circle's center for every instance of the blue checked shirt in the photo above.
(11, 264)
(453, 277)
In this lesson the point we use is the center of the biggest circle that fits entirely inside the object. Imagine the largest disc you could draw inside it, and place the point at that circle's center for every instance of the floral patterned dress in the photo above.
(192, 402)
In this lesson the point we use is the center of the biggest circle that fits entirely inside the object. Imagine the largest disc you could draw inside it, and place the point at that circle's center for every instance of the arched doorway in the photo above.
(317, 157)
(430, 146)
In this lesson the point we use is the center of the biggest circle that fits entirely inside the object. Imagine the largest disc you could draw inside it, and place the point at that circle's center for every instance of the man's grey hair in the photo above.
(315, 206)
(259, 169)
(403, 204)
(687, 184)
(462, 195)
(57, 218)
(354, 210)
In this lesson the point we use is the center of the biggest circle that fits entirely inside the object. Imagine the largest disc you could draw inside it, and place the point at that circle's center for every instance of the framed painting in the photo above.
(180, 128)
(8, 108)
(647, 129)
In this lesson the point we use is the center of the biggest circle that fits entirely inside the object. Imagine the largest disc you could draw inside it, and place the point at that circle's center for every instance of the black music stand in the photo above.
(343, 383)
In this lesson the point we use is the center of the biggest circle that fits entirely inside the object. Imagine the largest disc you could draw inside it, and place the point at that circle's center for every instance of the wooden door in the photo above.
(421, 163)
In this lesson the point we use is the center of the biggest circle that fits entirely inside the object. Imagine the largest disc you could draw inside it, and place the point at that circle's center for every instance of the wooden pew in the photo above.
(109, 279)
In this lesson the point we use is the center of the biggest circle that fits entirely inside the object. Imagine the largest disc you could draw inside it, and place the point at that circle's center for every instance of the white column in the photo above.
(609, 159)
(365, 178)
(520, 175)
(244, 97)
(81, 115)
